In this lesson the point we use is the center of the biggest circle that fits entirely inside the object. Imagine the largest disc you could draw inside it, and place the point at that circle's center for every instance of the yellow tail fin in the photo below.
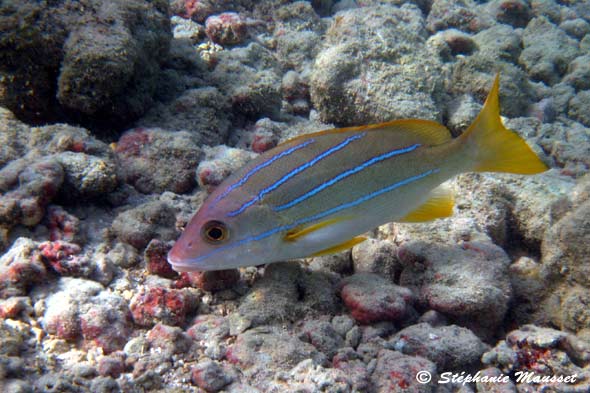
(496, 148)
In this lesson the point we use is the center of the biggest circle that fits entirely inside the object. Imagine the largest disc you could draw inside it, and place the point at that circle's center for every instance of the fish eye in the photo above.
(215, 232)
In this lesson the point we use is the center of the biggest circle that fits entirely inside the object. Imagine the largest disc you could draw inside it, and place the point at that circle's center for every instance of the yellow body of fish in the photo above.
(316, 193)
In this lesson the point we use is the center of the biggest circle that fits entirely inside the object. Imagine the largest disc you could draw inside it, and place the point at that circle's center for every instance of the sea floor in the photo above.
(118, 118)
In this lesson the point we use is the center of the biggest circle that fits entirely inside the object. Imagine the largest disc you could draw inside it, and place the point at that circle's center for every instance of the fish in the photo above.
(316, 194)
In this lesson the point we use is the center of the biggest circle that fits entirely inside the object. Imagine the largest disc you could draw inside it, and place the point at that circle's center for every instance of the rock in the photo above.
(137, 226)
(497, 385)
(79, 309)
(260, 351)
(351, 363)
(376, 256)
(297, 35)
(467, 282)
(74, 75)
(451, 43)
(123, 255)
(106, 323)
(63, 225)
(210, 332)
(567, 144)
(474, 74)
(66, 259)
(516, 13)
(209, 376)
(286, 292)
(396, 372)
(211, 281)
(542, 352)
(155, 257)
(112, 365)
(13, 339)
(564, 275)
(154, 160)
(14, 306)
(309, 376)
(86, 176)
(342, 324)
(577, 105)
(501, 41)
(152, 305)
(371, 298)
(20, 268)
(199, 116)
(322, 335)
(169, 339)
(340, 263)
(228, 28)
(578, 73)
(575, 28)
(462, 15)
(449, 347)
(36, 186)
(104, 385)
(219, 163)
(357, 80)
(547, 51)
(249, 76)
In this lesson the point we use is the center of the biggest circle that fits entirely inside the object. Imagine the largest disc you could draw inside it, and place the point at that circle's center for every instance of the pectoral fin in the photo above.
(340, 247)
(300, 232)
(439, 205)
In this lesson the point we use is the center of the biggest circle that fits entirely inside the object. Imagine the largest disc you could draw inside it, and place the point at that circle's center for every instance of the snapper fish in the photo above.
(316, 193)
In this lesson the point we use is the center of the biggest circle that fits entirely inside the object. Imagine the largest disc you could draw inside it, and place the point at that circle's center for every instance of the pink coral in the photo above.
(157, 304)
(155, 257)
(209, 281)
(61, 224)
(227, 28)
(62, 257)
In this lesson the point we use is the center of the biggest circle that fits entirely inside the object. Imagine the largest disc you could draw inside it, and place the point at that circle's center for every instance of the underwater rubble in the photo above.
(117, 118)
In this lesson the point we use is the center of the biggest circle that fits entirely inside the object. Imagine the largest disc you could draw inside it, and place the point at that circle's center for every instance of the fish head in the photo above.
(215, 240)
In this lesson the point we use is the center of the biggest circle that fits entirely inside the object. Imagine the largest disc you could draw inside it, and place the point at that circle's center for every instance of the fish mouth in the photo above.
(178, 264)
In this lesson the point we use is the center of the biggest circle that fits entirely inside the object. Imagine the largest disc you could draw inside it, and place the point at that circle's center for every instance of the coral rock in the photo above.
(209, 376)
(169, 339)
(449, 347)
(155, 256)
(396, 372)
(152, 305)
(20, 267)
(154, 160)
(150, 220)
(213, 281)
(371, 298)
(227, 28)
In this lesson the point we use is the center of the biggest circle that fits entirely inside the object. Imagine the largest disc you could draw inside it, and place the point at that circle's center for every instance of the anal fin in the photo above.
(340, 247)
(439, 205)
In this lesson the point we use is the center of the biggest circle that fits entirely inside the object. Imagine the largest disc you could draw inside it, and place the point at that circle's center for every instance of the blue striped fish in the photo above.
(315, 194)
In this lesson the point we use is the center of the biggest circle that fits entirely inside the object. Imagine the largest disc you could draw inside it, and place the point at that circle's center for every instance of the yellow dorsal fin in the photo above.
(419, 131)
(340, 247)
(439, 205)
(299, 232)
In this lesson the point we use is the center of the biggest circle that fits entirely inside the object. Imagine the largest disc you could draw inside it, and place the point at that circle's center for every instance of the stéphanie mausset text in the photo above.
(520, 377)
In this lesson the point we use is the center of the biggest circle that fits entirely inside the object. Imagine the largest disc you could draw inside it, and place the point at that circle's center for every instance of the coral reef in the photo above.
(178, 95)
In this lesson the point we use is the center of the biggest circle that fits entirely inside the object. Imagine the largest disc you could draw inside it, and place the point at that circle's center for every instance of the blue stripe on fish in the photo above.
(294, 172)
(260, 166)
(344, 175)
(323, 214)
